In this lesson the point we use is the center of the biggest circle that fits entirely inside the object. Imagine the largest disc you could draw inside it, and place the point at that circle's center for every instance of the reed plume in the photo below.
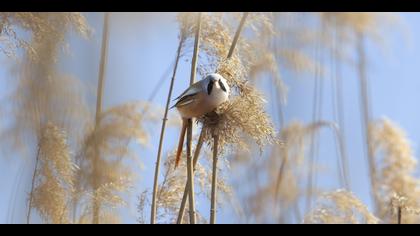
(397, 187)
(249, 154)
(118, 126)
(42, 96)
(340, 207)
(54, 179)
(41, 26)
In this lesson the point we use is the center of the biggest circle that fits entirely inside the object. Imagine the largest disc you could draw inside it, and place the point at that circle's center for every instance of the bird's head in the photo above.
(217, 81)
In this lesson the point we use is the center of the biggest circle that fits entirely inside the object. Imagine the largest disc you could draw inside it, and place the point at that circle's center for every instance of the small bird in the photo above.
(200, 98)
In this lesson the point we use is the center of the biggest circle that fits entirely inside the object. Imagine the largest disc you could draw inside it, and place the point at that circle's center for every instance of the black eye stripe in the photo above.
(210, 87)
(222, 86)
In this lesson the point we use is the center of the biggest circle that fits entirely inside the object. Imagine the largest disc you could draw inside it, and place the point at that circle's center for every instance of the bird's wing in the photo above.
(193, 89)
(185, 100)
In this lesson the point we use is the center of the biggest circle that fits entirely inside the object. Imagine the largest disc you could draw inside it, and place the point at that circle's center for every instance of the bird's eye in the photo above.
(222, 86)
(210, 87)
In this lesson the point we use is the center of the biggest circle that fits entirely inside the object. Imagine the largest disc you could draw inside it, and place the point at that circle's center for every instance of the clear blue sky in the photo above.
(142, 46)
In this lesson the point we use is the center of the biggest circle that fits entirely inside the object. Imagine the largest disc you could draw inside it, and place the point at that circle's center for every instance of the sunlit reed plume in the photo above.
(340, 207)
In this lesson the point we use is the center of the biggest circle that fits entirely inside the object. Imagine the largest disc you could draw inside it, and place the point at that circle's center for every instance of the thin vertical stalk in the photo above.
(320, 107)
(340, 106)
(28, 215)
(190, 171)
(190, 175)
(284, 162)
(333, 89)
(196, 49)
(341, 123)
(315, 118)
(237, 34)
(278, 112)
(365, 111)
(338, 141)
(276, 94)
(162, 133)
(214, 180)
(399, 215)
(158, 86)
(101, 79)
(186, 189)
(280, 109)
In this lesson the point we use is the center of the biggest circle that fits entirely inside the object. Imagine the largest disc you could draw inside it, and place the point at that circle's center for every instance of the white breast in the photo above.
(218, 96)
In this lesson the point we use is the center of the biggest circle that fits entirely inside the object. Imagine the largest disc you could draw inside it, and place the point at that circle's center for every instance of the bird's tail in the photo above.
(181, 142)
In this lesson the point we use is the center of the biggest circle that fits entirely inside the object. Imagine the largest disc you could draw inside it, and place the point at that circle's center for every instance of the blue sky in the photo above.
(143, 45)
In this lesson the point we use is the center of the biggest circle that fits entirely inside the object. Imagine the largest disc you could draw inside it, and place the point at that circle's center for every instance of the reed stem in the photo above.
(365, 111)
(399, 215)
(190, 175)
(190, 170)
(214, 180)
(162, 134)
(186, 189)
(28, 215)
(101, 79)
(237, 34)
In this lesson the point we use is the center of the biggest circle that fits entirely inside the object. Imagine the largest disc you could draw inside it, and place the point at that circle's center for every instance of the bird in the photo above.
(199, 99)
